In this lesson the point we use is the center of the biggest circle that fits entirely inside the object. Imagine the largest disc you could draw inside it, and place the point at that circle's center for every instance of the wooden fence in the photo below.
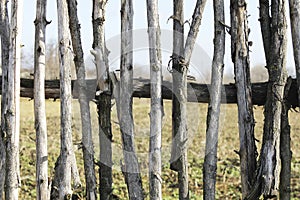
(258, 176)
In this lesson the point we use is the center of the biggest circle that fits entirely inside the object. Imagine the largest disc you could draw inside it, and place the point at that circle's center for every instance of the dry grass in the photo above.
(228, 186)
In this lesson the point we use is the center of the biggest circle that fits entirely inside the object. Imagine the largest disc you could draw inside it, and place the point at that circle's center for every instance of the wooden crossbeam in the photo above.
(196, 92)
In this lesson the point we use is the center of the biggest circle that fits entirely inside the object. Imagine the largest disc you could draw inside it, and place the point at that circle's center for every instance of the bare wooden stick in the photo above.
(39, 101)
(5, 36)
(240, 58)
(178, 161)
(213, 114)
(66, 166)
(156, 110)
(12, 115)
(131, 168)
(86, 127)
(265, 22)
(194, 30)
(103, 99)
(273, 106)
(267, 176)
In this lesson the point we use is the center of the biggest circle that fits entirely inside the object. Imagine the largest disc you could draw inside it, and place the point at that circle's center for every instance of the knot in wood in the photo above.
(155, 67)
(99, 21)
(129, 67)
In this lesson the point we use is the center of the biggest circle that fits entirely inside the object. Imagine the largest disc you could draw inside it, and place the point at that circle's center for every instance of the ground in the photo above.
(228, 180)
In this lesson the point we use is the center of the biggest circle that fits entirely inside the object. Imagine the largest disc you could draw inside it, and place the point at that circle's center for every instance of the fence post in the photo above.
(240, 58)
(213, 113)
(274, 38)
(39, 101)
(156, 110)
(66, 163)
(5, 32)
(12, 114)
(131, 168)
(103, 99)
(86, 127)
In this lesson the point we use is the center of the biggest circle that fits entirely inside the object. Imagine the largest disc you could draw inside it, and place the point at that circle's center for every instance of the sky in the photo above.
(112, 30)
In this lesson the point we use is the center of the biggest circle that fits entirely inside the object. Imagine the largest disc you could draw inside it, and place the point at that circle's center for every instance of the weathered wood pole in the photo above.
(103, 100)
(188, 50)
(39, 101)
(179, 99)
(213, 114)
(274, 38)
(86, 127)
(181, 59)
(66, 163)
(270, 153)
(12, 115)
(131, 168)
(240, 57)
(178, 121)
(156, 110)
(4, 32)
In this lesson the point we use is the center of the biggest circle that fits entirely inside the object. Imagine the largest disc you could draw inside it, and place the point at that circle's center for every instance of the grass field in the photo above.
(228, 180)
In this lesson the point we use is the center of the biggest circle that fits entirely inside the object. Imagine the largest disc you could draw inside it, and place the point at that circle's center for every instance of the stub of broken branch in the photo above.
(102, 74)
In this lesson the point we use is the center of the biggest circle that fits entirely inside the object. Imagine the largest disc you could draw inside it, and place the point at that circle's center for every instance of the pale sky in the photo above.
(204, 40)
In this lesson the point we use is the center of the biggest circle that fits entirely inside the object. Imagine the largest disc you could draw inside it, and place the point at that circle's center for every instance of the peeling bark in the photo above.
(213, 114)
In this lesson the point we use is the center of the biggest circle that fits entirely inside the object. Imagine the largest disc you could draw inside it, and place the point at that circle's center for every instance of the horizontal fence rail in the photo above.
(141, 89)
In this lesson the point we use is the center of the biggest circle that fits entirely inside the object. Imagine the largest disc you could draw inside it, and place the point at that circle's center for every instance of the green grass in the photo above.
(228, 180)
